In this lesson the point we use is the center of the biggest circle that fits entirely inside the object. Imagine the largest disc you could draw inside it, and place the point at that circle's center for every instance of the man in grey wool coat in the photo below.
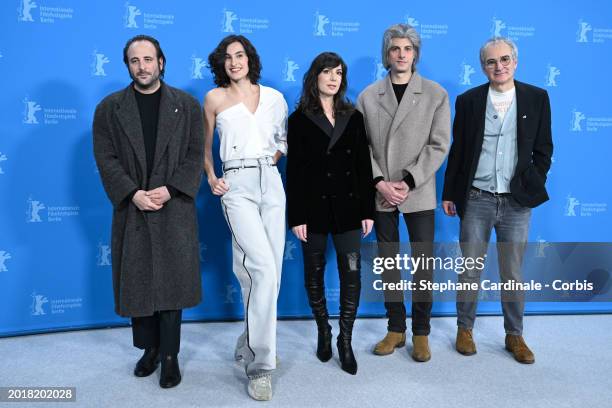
(148, 145)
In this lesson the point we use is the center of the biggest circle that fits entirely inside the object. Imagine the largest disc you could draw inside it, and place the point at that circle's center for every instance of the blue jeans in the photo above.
(483, 212)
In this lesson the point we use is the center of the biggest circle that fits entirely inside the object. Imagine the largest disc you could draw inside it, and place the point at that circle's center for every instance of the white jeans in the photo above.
(254, 208)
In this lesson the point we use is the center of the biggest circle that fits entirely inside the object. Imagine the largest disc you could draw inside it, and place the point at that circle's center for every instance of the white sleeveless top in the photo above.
(246, 135)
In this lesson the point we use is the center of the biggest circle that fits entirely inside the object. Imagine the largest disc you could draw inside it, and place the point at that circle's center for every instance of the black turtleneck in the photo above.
(399, 90)
(148, 106)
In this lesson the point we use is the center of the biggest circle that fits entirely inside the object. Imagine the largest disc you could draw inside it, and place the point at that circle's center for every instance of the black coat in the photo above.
(155, 255)
(534, 145)
(329, 173)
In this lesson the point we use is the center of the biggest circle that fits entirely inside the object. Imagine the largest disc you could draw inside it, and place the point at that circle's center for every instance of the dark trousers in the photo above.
(344, 242)
(421, 234)
(162, 330)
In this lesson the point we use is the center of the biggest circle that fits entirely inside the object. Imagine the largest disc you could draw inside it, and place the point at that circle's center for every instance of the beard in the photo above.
(150, 82)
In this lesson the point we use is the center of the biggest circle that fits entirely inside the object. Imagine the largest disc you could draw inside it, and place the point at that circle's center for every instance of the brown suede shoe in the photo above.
(516, 345)
(389, 343)
(465, 342)
(420, 349)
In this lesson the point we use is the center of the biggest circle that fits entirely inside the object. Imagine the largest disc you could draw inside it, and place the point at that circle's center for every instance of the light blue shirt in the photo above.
(499, 153)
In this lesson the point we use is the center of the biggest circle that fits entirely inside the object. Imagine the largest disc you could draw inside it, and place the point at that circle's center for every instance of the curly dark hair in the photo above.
(216, 60)
(309, 100)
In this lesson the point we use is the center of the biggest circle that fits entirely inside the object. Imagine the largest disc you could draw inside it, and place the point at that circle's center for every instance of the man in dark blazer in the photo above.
(148, 145)
(496, 172)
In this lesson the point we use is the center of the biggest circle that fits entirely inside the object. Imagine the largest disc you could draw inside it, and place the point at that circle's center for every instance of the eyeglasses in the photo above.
(492, 62)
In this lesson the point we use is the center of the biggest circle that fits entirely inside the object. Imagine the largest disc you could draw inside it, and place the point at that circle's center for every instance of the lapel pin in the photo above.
(524, 116)
(175, 110)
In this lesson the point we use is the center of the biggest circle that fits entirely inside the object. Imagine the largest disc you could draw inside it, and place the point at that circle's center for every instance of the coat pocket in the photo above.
(532, 181)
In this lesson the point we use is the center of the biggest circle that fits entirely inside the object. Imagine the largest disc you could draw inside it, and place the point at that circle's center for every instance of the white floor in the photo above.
(573, 368)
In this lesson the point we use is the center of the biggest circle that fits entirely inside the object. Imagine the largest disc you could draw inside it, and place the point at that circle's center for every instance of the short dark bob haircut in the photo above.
(309, 100)
(216, 60)
(143, 37)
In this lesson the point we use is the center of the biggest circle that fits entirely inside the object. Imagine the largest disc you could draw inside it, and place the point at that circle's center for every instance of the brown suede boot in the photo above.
(420, 349)
(465, 342)
(389, 343)
(516, 345)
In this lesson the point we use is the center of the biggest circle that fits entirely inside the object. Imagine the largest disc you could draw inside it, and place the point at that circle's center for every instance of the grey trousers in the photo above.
(483, 212)
(254, 208)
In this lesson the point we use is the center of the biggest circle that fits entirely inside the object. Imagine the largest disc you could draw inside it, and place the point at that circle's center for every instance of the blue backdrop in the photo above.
(59, 58)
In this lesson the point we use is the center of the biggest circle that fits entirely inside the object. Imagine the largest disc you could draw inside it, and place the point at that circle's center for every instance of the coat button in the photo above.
(329, 175)
(348, 173)
(348, 151)
(328, 153)
(350, 194)
(324, 196)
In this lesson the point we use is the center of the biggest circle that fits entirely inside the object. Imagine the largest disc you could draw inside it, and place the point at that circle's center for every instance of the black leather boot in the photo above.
(170, 372)
(349, 267)
(314, 271)
(148, 363)
(324, 348)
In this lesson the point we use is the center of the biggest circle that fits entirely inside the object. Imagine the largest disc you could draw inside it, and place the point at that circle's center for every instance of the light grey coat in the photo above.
(155, 255)
(413, 137)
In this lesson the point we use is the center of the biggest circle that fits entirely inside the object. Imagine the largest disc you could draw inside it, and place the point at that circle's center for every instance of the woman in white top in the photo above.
(251, 123)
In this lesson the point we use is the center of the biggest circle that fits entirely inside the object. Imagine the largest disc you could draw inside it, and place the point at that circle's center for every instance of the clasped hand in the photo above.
(394, 192)
(151, 200)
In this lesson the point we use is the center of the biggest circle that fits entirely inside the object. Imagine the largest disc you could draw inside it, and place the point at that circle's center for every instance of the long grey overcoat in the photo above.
(155, 255)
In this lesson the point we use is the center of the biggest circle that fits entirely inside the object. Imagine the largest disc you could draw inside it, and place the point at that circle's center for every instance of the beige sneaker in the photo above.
(260, 388)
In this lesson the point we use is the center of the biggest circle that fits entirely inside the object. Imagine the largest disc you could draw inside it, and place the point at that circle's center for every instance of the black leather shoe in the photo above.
(170, 373)
(147, 363)
(324, 348)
